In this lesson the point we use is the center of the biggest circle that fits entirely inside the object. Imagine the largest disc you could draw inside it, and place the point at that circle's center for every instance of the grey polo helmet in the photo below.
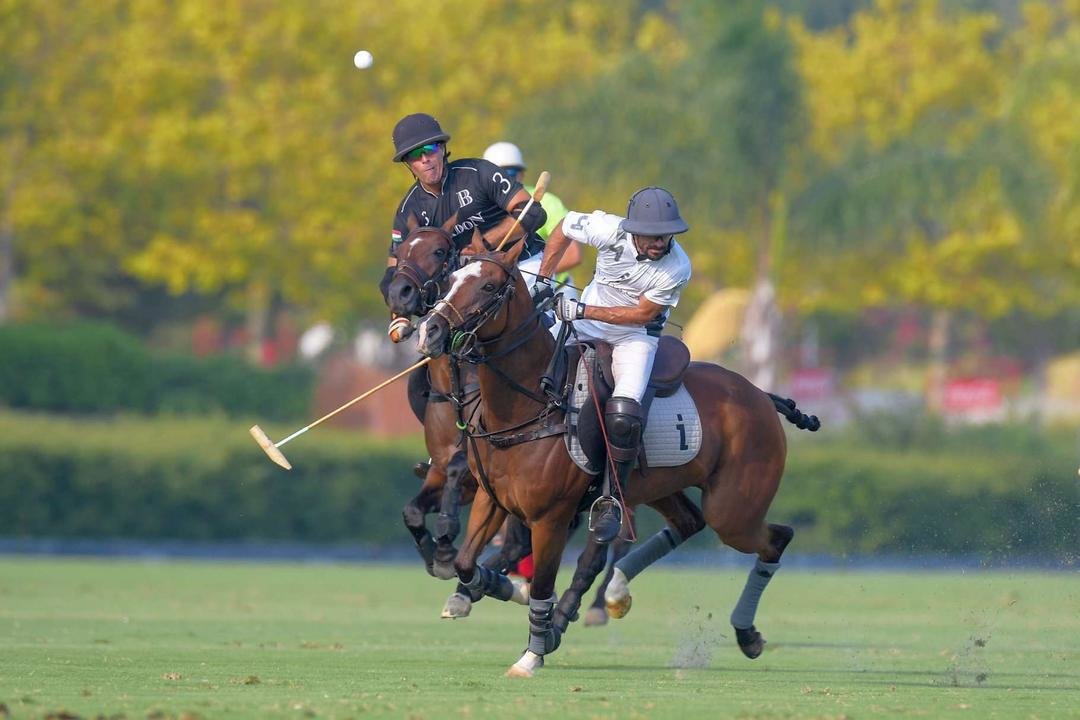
(415, 130)
(653, 211)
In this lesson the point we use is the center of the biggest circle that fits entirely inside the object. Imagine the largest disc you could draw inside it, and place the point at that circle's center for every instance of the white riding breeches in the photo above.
(632, 355)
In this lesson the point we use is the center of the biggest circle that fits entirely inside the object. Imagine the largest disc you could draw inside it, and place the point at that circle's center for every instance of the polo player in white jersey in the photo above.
(640, 273)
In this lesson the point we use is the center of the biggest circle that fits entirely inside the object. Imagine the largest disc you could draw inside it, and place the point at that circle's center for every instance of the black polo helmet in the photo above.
(653, 211)
(415, 130)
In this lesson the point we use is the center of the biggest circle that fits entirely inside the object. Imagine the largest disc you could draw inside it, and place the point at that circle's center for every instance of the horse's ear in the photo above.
(514, 252)
(411, 222)
(448, 226)
(476, 244)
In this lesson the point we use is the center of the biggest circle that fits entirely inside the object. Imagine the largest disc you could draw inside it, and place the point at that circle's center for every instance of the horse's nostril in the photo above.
(406, 291)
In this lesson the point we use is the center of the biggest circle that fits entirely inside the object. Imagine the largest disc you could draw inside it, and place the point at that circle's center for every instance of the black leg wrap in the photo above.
(425, 544)
(447, 528)
(544, 637)
(490, 583)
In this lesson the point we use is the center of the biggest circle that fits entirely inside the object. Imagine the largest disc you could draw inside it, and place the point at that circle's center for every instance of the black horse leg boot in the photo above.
(622, 418)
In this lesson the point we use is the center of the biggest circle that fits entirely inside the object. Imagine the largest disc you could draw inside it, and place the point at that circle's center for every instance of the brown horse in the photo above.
(488, 318)
(425, 259)
(439, 396)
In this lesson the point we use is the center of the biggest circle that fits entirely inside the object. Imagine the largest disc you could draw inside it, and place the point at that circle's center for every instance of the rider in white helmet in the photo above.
(508, 156)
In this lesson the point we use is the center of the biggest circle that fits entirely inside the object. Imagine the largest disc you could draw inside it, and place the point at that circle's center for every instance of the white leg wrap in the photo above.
(618, 589)
(527, 666)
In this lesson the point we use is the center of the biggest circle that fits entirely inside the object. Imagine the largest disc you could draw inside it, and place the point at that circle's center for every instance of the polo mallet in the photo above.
(271, 448)
(537, 196)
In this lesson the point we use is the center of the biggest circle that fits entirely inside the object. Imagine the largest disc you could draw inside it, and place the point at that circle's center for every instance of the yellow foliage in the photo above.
(714, 328)
(892, 66)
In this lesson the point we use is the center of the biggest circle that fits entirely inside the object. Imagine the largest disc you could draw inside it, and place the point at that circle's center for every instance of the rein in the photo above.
(429, 286)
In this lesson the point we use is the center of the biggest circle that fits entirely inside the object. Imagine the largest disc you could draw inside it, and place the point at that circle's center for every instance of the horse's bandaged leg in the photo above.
(649, 552)
(742, 617)
(490, 583)
(544, 637)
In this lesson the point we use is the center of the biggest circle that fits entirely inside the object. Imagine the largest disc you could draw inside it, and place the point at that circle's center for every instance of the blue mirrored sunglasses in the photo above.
(417, 153)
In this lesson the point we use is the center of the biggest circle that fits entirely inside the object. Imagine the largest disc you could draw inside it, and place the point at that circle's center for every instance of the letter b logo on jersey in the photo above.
(464, 198)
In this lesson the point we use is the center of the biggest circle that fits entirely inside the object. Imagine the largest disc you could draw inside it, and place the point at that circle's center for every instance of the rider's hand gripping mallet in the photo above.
(271, 448)
(537, 196)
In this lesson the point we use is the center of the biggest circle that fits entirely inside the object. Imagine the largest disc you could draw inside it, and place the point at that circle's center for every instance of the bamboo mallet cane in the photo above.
(537, 196)
(271, 448)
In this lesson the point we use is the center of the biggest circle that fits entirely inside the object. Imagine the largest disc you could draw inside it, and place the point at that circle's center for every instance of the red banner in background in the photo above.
(966, 396)
(810, 384)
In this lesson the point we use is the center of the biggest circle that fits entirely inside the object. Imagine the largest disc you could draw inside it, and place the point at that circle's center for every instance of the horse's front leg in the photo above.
(448, 524)
(416, 510)
(549, 541)
(485, 518)
(516, 545)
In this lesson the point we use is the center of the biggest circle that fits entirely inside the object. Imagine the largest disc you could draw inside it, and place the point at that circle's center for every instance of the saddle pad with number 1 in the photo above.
(672, 434)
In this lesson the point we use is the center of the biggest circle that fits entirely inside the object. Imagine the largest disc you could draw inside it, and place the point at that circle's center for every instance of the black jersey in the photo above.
(477, 190)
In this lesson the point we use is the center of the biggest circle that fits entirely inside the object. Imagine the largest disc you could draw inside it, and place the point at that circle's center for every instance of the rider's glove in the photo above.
(568, 309)
(542, 290)
(400, 328)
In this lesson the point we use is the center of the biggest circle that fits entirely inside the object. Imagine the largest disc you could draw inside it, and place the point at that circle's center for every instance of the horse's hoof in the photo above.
(596, 616)
(457, 606)
(750, 642)
(617, 595)
(521, 590)
(618, 608)
(444, 571)
(527, 666)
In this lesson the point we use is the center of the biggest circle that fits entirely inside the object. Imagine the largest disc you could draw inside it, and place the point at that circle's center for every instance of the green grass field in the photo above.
(225, 640)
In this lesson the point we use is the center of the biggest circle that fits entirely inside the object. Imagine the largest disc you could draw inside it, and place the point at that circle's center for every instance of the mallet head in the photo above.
(268, 447)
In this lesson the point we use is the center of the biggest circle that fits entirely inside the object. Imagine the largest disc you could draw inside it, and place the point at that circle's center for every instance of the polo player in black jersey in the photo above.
(481, 194)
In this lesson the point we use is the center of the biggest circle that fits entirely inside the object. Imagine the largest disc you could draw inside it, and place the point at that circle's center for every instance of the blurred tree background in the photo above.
(847, 163)
(167, 159)
(884, 201)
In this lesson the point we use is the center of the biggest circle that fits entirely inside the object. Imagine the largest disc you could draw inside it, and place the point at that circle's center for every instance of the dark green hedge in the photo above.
(197, 480)
(1001, 494)
(96, 368)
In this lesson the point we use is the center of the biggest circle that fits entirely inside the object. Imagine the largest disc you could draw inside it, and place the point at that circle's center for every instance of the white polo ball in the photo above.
(363, 59)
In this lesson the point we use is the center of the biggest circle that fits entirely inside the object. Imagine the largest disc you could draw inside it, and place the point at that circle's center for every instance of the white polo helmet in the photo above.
(505, 154)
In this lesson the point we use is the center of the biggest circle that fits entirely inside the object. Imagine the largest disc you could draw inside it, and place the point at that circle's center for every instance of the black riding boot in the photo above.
(622, 418)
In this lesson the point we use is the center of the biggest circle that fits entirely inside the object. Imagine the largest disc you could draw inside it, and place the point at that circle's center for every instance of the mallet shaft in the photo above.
(355, 400)
(537, 196)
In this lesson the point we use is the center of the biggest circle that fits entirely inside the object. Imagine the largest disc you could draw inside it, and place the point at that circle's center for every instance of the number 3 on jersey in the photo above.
(503, 182)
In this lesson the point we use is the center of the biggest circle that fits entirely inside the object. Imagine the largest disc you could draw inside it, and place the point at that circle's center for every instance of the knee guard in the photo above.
(622, 417)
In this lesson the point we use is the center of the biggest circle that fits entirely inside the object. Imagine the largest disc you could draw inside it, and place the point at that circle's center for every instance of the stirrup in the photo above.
(420, 469)
(598, 508)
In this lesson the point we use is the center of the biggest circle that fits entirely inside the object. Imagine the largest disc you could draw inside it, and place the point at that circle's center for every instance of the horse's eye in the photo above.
(440, 253)
(489, 287)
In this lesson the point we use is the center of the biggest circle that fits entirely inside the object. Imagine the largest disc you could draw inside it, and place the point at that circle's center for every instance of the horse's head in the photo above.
(425, 259)
(476, 305)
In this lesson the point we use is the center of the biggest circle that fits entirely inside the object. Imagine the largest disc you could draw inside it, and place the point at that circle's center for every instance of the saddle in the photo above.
(672, 359)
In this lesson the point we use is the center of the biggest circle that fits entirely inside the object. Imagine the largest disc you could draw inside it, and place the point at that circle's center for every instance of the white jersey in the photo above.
(621, 279)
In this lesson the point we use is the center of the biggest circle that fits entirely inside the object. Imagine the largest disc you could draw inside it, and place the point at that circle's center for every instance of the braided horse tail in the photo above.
(786, 407)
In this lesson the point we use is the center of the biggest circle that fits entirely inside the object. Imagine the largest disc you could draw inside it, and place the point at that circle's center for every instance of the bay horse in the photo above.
(488, 316)
(425, 259)
(436, 392)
